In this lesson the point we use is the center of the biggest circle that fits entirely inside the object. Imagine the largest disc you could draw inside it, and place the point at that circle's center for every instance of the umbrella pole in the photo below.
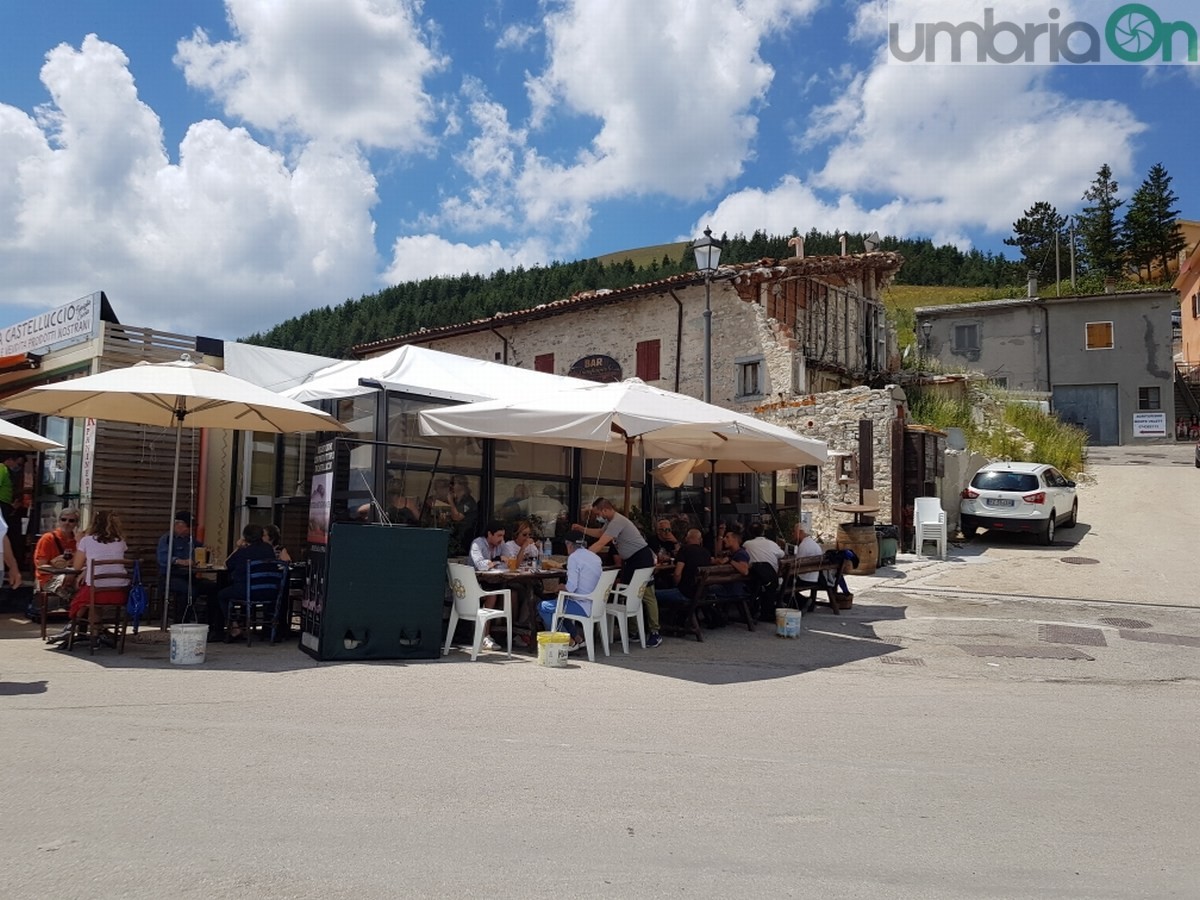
(712, 506)
(628, 470)
(171, 524)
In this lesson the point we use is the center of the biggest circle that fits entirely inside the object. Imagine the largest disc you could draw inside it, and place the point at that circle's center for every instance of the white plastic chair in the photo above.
(929, 524)
(631, 608)
(468, 604)
(599, 614)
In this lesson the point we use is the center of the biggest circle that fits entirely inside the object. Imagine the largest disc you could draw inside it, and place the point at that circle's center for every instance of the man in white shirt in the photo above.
(484, 555)
(805, 546)
(583, 574)
(485, 551)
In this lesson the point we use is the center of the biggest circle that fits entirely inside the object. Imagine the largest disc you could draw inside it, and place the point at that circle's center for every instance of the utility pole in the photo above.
(1057, 268)
(1072, 254)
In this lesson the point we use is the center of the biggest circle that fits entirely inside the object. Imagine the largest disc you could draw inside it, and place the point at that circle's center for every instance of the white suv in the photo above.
(1019, 496)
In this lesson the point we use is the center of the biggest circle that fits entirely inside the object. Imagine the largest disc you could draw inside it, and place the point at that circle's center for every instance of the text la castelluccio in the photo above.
(1132, 33)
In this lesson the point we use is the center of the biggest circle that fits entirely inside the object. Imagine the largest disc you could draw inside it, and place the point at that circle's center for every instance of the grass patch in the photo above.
(1008, 430)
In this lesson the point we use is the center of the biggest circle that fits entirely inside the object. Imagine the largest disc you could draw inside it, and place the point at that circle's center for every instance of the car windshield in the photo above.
(1004, 481)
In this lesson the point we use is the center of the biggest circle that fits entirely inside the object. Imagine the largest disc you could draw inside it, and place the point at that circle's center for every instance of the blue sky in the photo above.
(218, 167)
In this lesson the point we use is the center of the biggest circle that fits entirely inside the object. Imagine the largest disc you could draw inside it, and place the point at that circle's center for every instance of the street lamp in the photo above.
(926, 327)
(708, 254)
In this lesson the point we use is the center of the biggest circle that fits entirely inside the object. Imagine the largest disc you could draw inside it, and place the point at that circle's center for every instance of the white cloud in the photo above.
(342, 70)
(231, 239)
(423, 256)
(516, 37)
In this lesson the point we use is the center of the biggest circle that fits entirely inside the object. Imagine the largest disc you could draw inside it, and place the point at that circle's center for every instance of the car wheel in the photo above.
(1074, 517)
(1048, 530)
(968, 528)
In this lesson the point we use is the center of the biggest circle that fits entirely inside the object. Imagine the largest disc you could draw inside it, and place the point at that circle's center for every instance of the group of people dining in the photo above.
(677, 560)
(61, 559)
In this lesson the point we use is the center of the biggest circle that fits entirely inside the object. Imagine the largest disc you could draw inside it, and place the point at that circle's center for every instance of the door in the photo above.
(1093, 407)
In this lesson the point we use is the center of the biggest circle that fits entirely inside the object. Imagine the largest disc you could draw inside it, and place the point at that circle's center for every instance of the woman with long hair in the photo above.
(103, 540)
(272, 536)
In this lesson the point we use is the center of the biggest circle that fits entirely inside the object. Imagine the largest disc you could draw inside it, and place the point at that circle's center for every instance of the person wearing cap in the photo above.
(183, 548)
(583, 574)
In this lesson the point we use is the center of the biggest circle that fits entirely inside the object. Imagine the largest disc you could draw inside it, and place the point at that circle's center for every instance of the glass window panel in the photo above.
(403, 427)
(541, 502)
(358, 414)
(543, 459)
(262, 464)
(610, 465)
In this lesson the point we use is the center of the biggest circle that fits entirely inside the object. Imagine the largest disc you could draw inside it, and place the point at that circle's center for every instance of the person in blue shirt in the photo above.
(583, 574)
(183, 579)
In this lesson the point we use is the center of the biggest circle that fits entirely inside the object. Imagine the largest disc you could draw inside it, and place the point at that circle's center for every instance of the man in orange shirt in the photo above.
(55, 548)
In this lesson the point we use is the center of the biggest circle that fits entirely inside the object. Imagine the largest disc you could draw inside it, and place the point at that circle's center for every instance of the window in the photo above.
(749, 378)
(544, 362)
(1099, 335)
(647, 360)
(966, 337)
(1149, 398)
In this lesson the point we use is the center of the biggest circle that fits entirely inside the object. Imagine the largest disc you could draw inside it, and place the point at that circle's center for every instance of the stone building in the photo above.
(780, 328)
(788, 336)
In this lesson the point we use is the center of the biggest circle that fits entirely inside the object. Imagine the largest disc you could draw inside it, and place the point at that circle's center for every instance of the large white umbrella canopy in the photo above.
(602, 416)
(674, 472)
(174, 395)
(14, 437)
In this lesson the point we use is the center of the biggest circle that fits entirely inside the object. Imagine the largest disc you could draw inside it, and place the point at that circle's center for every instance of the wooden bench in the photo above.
(828, 569)
(706, 577)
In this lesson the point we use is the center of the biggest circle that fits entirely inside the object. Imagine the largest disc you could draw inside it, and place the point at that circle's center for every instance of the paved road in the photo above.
(940, 740)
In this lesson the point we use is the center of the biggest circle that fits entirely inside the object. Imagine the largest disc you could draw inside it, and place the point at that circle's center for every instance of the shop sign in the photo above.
(596, 367)
(1150, 424)
(71, 323)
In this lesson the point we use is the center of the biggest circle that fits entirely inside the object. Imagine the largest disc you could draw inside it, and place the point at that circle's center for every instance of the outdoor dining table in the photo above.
(503, 578)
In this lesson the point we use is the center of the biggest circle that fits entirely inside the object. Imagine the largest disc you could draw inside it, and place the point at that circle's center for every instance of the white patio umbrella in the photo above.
(14, 437)
(174, 394)
(602, 416)
(674, 472)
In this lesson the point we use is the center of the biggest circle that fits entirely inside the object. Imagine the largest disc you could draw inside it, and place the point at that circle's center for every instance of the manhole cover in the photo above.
(1026, 652)
(1153, 637)
(1124, 623)
(1080, 560)
(902, 660)
(1069, 634)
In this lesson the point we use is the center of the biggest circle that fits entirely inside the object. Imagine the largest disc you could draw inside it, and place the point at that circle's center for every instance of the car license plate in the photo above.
(999, 501)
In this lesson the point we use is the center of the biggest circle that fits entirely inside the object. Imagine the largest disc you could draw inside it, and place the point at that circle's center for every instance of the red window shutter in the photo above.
(544, 362)
(647, 360)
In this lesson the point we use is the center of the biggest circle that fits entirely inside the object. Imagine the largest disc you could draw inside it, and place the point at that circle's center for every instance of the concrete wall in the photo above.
(1012, 343)
(1141, 355)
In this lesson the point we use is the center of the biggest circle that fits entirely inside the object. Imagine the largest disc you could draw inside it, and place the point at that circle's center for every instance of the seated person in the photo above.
(523, 548)
(764, 569)
(103, 541)
(691, 556)
(804, 546)
(55, 549)
(735, 555)
(663, 542)
(271, 535)
(250, 548)
(583, 574)
(183, 582)
(485, 555)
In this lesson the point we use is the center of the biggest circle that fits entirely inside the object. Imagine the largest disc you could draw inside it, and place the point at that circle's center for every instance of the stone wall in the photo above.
(833, 417)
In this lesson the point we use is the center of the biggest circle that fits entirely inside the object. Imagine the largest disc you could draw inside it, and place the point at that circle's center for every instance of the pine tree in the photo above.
(1155, 228)
(1035, 234)
(1100, 227)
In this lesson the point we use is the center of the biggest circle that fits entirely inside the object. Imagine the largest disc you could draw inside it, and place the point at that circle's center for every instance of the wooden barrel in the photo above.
(861, 539)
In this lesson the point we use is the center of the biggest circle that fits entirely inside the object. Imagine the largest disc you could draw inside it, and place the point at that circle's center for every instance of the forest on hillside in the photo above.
(432, 302)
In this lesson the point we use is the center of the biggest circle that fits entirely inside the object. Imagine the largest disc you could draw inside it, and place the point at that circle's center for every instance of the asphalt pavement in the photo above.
(1002, 724)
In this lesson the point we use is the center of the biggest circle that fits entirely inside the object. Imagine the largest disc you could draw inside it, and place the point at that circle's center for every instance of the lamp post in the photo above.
(926, 327)
(708, 255)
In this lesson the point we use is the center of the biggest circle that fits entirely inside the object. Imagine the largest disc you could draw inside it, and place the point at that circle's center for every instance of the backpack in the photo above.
(137, 602)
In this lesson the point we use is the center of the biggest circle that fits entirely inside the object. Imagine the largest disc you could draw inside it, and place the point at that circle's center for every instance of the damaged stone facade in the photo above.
(834, 417)
(780, 329)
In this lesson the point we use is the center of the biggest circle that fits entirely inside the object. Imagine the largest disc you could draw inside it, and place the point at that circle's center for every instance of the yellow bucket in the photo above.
(552, 649)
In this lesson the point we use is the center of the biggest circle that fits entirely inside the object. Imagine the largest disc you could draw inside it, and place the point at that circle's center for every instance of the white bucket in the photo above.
(188, 644)
(787, 622)
(552, 649)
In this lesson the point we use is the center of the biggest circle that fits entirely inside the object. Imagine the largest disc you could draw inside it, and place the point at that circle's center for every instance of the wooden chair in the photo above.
(266, 593)
(108, 582)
